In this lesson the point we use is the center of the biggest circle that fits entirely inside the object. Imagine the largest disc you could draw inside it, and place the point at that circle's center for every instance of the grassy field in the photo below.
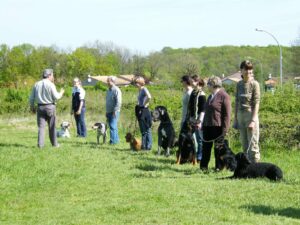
(82, 183)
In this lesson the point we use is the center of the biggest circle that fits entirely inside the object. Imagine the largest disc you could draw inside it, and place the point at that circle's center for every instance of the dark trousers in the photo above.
(46, 113)
(80, 123)
(209, 134)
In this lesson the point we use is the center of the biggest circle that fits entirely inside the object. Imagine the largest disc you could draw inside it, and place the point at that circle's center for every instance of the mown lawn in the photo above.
(82, 183)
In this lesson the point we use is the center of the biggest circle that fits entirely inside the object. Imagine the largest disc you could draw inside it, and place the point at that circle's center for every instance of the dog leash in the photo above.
(74, 129)
(212, 140)
(249, 144)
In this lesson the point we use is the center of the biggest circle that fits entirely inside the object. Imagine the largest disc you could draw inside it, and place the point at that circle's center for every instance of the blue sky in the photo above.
(146, 26)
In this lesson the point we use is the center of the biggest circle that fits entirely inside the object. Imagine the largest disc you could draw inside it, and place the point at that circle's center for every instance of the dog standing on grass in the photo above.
(101, 131)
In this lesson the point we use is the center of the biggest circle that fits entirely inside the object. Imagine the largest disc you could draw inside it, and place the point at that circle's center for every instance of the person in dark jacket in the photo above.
(195, 112)
(143, 113)
(78, 107)
(216, 122)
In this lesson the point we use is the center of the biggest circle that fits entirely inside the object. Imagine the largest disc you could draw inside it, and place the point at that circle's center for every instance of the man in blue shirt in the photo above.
(113, 107)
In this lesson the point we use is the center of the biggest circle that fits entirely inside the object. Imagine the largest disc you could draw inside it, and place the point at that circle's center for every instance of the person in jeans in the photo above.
(246, 111)
(78, 107)
(113, 107)
(143, 114)
(215, 123)
(44, 93)
(196, 112)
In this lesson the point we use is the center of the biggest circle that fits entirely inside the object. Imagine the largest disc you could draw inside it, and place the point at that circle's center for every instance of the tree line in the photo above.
(23, 64)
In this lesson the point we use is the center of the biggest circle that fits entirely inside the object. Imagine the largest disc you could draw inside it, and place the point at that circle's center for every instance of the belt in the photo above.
(46, 104)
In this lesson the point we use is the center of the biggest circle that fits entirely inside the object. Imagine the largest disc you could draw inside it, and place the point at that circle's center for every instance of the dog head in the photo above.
(242, 159)
(227, 156)
(65, 125)
(101, 127)
(160, 113)
(128, 137)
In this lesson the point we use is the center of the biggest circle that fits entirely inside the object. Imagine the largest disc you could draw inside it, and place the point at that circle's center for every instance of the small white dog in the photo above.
(64, 130)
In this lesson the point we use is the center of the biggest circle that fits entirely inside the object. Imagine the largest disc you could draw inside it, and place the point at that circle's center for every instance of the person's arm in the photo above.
(31, 100)
(81, 97)
(56, 95)
(226, 114)
(118, 101)
(201, 108)
(147, 99)
(236, 104)
(80, 108)
(255, 104)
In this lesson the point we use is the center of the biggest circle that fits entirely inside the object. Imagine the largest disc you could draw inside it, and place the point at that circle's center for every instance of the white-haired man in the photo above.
(113, 107)
(44, 93)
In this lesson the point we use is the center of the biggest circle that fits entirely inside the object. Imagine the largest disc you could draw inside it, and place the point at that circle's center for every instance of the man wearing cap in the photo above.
(44, 93)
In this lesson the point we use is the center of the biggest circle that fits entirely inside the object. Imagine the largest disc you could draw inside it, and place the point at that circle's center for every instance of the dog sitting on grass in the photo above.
(246, 169)
(135, 143)
(226, 157)
(64, 130)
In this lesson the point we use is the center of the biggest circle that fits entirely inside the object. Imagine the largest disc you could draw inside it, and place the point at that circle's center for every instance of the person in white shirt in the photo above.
(44, 93)
(78, 107)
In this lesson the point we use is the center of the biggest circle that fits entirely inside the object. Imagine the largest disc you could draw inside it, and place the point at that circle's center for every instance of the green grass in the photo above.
(82, 183)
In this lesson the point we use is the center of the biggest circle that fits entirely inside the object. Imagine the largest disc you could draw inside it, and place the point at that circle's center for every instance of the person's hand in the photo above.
(198, 126)
(78, 112)
(32, 109)
(62, 91)
(251, 125)
(114, 114)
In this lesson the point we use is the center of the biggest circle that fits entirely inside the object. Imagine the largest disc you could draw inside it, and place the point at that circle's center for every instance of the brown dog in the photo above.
(135, 143)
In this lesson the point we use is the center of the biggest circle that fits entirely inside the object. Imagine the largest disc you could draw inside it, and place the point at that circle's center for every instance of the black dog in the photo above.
(186, 147)
(246, 169)
(226, 158)
(166, 132)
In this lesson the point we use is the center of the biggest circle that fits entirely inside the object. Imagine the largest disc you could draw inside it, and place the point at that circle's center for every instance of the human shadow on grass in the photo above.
(268, 210)
(13, 145)
(162, 168)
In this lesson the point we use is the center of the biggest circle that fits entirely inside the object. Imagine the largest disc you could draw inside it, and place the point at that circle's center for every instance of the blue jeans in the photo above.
(113, 127)
(146, 136)
(198, 141)
(80, 124)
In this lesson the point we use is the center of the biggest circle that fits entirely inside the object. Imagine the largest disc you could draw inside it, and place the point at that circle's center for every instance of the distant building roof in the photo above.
(121, 80)
(236, 77)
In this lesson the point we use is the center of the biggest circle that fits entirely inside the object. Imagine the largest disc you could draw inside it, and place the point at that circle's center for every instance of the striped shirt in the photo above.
(44, 92)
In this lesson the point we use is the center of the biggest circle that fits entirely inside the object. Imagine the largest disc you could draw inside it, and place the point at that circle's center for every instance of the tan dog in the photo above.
(135, 143)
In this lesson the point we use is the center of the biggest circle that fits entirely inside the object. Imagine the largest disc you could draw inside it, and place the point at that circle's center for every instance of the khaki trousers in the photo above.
(249, 137)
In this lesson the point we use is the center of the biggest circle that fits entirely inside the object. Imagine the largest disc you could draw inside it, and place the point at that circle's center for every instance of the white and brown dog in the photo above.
(101, 131)
(64, 130)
